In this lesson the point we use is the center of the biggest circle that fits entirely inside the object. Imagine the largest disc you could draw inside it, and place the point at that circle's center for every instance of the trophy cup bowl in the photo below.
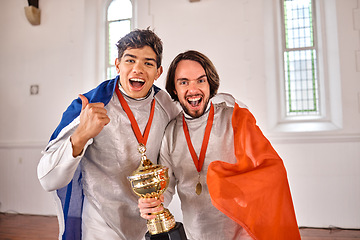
(151, 180)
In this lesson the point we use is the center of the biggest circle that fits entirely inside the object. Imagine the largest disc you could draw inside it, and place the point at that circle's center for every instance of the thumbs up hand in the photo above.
(93, 118)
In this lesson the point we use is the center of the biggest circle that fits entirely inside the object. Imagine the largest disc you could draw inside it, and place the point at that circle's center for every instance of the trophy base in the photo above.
(177, 233)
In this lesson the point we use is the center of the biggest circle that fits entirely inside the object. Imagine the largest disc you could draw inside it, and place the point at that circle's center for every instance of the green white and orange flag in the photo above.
(254, 192)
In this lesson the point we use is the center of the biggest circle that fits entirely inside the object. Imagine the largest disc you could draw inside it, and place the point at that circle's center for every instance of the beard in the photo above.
(197, 113)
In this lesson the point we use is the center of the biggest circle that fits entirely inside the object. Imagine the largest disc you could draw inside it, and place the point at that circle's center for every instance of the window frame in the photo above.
(286, 50)
(108, 65)
(330, 117)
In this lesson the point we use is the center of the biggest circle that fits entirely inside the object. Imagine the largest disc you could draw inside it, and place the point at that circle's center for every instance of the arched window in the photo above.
(119, 23)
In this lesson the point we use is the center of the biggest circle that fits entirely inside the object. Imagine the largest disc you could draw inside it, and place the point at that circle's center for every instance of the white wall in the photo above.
(63, 57)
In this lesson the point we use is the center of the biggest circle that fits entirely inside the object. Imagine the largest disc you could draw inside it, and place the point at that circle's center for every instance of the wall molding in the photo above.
(22, 144)
(311, 138)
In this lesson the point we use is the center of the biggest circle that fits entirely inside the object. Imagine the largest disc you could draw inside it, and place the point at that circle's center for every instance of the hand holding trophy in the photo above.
(150, 181)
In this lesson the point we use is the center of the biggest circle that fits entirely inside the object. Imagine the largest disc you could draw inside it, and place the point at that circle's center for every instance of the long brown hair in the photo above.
(210, 71)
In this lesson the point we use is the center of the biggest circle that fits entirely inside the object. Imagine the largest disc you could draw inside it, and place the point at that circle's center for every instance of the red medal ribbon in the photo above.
(142, 138)
(199, 162)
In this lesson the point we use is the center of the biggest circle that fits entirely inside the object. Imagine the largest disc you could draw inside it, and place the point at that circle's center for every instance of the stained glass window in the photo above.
(300, 58)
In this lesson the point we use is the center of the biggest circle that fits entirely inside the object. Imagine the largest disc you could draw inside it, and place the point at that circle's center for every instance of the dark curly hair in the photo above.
(140, 38)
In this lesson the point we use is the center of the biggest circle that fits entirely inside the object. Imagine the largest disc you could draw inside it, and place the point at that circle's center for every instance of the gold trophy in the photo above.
(150, 181)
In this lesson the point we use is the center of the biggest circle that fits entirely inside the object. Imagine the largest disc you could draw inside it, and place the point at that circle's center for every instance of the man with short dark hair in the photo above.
(94, 148)
(231, 182)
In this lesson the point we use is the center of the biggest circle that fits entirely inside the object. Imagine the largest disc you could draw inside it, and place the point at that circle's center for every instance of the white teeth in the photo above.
(137, 80)
(194, 99)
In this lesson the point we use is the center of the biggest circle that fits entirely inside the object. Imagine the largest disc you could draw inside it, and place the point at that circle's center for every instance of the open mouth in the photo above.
(194, 101)
(136, 82)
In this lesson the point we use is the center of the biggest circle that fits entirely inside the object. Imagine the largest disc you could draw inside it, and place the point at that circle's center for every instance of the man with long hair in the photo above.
(231, 182)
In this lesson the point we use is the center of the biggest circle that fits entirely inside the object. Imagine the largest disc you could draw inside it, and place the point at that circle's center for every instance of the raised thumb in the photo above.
(84, 101)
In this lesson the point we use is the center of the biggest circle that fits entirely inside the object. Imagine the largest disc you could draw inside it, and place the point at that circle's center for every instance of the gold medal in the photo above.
(198, 188)
(199, 161)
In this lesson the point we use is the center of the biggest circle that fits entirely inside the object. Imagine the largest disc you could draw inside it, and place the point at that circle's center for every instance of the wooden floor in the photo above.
(32, 227)
(28, 227)
(329, 234)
